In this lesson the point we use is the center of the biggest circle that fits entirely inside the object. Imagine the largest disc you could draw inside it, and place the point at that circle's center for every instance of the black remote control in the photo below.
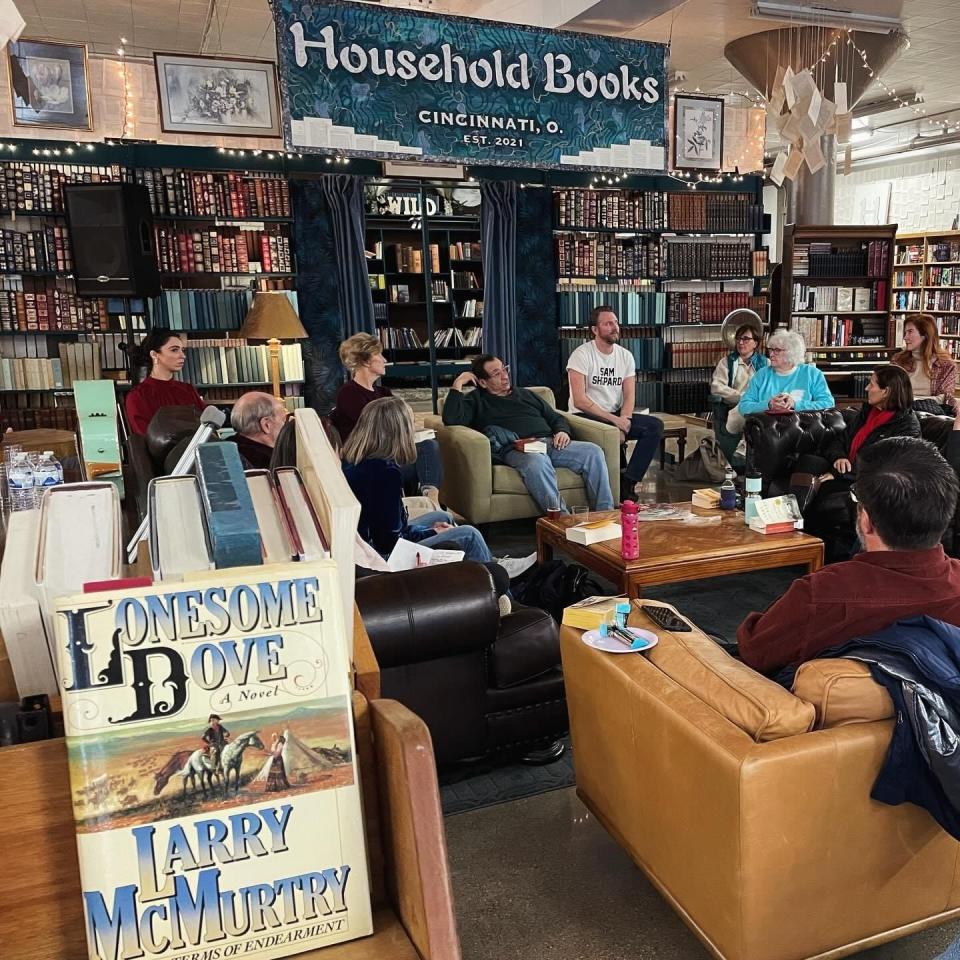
(666, 618)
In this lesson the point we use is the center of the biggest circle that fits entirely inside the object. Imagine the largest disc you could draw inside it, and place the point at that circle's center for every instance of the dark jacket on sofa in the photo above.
(903, 424)
(918, 662)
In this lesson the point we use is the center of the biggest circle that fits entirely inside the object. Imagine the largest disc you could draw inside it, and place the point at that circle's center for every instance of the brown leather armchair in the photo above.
(481, 683)
(747, 806)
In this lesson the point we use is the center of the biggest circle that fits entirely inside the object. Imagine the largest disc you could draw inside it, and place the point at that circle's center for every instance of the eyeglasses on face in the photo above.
(776, 350)
(746, 339)
(502, 372)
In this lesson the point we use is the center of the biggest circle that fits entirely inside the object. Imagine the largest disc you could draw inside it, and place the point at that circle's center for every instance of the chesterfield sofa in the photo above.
(748, 806)
(485, 492)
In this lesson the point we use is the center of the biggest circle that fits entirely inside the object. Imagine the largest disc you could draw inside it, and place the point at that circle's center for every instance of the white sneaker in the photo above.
(505, 605)
(517, 565)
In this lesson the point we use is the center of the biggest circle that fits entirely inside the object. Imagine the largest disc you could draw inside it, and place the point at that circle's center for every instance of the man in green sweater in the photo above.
(495, 403)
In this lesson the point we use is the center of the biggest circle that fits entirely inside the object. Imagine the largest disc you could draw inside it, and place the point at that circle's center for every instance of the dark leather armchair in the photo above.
(156, 453)
(481, 683)
(775, 443)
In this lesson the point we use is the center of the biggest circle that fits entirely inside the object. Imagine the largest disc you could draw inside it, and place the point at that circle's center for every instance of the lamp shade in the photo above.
(271, 315)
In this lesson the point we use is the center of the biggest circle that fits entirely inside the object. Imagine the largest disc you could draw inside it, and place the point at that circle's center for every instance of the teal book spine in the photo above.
(231, 520)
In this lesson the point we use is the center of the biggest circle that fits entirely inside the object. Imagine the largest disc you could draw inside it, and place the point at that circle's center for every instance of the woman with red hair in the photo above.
(932, 372)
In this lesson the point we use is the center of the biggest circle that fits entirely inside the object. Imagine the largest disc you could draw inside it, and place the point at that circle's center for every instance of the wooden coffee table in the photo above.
(675, 550)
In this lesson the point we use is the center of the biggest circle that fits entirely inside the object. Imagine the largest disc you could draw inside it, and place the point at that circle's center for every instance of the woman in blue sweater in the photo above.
(380, 443)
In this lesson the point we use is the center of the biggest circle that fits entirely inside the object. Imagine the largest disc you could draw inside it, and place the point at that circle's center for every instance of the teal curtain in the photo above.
(498, 235)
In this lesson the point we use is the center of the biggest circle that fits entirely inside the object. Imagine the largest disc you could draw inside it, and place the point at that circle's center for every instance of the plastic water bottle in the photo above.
(48, 473)
(728, 492)
(752, 495)
(20, 484)
(629, 536)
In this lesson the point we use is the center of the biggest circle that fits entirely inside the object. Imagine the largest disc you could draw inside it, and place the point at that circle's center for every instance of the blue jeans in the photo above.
(537, 470)
(648, 432)
(468, 539)
(427, 470)
(952, 952)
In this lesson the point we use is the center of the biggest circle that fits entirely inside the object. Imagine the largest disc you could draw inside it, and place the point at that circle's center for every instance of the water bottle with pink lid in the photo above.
(630, 536)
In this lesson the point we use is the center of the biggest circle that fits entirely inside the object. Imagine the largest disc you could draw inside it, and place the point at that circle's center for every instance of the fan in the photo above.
(738, 318)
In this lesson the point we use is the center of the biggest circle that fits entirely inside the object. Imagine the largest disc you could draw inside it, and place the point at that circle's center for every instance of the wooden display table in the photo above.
(676, 550)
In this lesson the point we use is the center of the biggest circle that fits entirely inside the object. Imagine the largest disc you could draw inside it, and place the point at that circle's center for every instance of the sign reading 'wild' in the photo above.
(365, 80)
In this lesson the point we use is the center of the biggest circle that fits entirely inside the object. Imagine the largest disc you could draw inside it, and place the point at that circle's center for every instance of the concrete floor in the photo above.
(540, 878)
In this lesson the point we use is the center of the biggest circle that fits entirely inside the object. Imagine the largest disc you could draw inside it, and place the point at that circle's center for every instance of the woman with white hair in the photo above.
(788, 383)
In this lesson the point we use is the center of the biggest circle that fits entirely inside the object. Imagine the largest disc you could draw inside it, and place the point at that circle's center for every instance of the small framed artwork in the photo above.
(48, 83)
(697, 133)
(216, 96)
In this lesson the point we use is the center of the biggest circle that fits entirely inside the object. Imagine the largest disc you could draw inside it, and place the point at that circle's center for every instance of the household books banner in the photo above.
(213, 767)
(366, 80)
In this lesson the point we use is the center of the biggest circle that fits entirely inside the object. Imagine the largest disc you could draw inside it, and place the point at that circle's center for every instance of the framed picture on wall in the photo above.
(215, 96)
(48, 84)
(697, 133)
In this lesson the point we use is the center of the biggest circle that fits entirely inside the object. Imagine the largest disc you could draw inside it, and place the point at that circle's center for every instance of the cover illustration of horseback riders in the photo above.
(212, 765)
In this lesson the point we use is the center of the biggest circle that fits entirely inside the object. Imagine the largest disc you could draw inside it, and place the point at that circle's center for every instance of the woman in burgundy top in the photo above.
(362, 355)
(163, 351)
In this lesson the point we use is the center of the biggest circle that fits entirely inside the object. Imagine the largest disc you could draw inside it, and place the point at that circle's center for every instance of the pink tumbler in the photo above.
(630, 537)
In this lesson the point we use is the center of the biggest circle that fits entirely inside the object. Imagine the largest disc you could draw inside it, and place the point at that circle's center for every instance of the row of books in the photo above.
(710, 307)
(36, 417)
(648, 392)
(829, 297)
(647, 352)
(291, 394)
(715, 212)
(50, 310)
(46, 250)
(408, 257)
(75, 361)
(466, 250)
(439, 289)
(624, 209)
(222, 250)
(454, 337)
(203, 194)
(948, 325)
(465, 280)
(37, 187)
(233, 360)
(400, 338)
(470, 310)
(907, 299)
(941, 300)
(713, 260)
(908, 278)
(205, 309)
(945, 251)
(632, 309)
(944, 277)
(909, 253)
(607, 256)
(824, 259)
(704, 353)
(838, 331)
(691, 396)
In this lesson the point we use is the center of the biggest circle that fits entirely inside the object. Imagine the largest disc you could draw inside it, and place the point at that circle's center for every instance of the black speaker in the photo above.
(111, 232)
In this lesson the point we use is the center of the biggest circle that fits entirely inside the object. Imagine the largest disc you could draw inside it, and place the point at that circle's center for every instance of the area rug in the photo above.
(717, 605)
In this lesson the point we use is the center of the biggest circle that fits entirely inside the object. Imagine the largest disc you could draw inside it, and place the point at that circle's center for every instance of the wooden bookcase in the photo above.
(208, 224)
(673, 263)
(926, 279)
(824, 267)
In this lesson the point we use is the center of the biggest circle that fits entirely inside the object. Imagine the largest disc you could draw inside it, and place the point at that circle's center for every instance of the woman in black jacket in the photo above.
(888, 412)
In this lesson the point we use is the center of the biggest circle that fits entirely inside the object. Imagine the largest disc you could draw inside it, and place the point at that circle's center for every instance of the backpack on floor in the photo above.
(705, 464)
(553, 585)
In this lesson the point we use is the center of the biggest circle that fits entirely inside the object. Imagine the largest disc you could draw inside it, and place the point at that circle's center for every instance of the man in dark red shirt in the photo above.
(906, 495)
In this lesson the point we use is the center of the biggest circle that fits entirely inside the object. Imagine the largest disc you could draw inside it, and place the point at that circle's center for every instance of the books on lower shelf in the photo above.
(466, 250)
(828, 297)
(233, 360)
(221, 250)
(839, 331)
(454, 337)
(46, 250)
(870, 258)
(205, 309)
(400, 338)
(709, 259)
(710, 307)
(633, 308)
(54, 310)
(606, 255)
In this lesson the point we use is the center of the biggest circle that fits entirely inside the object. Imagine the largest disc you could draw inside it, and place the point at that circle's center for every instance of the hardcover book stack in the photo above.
(409, 258)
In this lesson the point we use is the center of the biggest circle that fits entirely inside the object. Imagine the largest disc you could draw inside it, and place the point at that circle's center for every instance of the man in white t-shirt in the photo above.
(603, 384)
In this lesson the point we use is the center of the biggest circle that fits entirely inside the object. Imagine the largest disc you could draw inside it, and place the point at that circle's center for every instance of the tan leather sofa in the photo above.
(748, 807)
(484, 492)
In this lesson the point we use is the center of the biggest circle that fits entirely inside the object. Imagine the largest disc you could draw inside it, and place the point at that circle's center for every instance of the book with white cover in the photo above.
(595, 531)
(28, 649)
(79, 541)
(274, 531)
(337, 508)
(178, 528)
(407, 555)
(306, 535)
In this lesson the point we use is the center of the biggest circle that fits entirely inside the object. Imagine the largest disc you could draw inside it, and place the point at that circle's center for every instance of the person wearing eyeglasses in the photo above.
(505, 413)
(786, 384)
(731, 377)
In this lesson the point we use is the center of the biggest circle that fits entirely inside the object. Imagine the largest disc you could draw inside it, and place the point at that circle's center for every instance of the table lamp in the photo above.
(271, 317)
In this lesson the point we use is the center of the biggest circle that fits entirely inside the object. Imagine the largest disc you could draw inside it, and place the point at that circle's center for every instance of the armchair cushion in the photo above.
(760, 707)
(528, 646)
(842, 691)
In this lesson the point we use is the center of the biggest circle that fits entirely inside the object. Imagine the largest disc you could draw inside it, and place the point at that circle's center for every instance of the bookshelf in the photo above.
(672, 264)
(836, 290)
(220, 235)
(926, 279)
(427, 291)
